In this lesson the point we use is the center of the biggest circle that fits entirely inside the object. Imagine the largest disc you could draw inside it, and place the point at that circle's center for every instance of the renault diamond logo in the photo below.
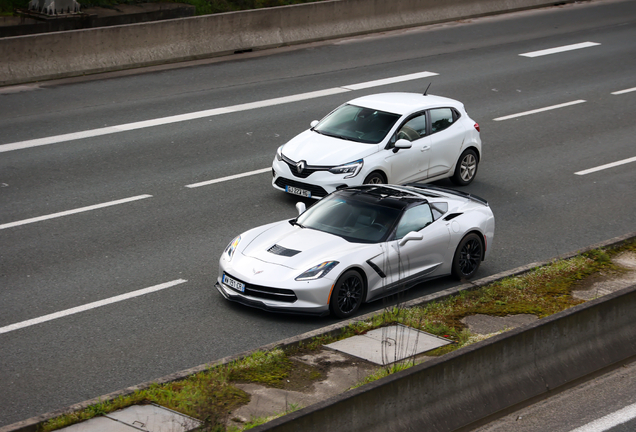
(301, 166)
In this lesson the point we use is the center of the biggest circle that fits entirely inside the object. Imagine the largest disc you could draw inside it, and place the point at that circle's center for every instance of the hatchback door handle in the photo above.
(426, 148)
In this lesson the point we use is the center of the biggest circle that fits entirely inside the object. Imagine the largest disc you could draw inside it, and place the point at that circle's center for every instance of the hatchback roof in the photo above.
(403, 103)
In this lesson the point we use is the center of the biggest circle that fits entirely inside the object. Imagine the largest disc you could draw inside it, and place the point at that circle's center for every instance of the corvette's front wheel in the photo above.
(347, 295)
(468, 257)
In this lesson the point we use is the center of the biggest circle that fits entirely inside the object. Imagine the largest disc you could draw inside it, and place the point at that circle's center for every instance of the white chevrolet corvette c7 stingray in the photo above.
(356, 245)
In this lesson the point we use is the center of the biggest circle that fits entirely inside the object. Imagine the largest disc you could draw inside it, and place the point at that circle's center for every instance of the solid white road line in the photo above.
(89, 306)
(606, 166)
(232, 177)
(559, 49)
(624, 91)
(539, 110)
(609, 421)
(70, 212)
(207, 113)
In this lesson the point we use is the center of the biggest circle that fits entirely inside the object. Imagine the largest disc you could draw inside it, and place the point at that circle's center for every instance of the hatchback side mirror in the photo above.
(301, 207)
(413, 235)
(402, 144)
(313, 124)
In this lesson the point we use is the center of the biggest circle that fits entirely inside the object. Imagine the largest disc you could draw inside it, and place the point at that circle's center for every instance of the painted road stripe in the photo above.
(624, 91)
(207, 113)
(559, 49)
(70, 212)
(232, 177)
(609, 421)
(606, 166)
(539, 110)
(89, 306)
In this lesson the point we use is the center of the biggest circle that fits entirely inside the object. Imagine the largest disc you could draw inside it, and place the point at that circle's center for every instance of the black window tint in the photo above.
(413, 129)
(441, 118)
(414, 219)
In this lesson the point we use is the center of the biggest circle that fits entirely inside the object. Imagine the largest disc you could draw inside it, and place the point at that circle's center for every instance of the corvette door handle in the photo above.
(426, 148)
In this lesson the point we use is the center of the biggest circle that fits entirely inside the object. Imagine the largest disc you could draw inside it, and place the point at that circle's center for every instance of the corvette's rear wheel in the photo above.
(468, 257)
(347, 295)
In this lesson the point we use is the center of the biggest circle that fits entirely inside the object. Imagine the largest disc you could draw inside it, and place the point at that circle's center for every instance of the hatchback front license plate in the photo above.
(239, 286)
(298, 191)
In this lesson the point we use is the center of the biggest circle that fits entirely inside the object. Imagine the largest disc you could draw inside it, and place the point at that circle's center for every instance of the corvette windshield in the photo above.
(357, 124)
(354, 220)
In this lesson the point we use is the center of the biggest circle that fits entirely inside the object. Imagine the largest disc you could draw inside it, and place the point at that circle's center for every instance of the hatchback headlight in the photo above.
(318, 271)
(231, 248)
(279, 153)
(352, 168)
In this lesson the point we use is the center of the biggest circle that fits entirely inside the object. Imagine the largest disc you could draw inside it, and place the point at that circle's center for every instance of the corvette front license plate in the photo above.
(239, 286)
(298, 191)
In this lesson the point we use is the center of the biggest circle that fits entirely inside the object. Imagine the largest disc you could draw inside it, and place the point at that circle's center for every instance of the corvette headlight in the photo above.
(318, 271)
(352, 168)
(231, 248)
(279, 153)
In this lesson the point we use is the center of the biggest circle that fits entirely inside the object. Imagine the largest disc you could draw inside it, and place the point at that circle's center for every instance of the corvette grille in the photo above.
(268, 293)
(316, 191)
(279, 250)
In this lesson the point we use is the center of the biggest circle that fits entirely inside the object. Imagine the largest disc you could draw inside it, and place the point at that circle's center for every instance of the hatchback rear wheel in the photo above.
(466, 168)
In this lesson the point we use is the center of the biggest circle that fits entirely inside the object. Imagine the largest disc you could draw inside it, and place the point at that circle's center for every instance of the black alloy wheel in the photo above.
(468, 257)
(347, 295)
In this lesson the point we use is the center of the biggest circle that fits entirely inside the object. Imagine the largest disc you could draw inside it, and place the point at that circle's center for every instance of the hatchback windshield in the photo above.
(352, 219)
(358, 124)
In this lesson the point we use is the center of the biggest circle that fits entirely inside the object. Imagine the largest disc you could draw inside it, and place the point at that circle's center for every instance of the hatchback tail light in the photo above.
(477, 127)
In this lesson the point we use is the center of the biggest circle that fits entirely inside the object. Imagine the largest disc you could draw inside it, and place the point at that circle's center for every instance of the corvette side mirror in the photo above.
(402, 144)
(413, 235)
(301, 207)
(313, 124)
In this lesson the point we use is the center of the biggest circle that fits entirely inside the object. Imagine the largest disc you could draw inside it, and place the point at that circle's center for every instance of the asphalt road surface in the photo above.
(105, 192)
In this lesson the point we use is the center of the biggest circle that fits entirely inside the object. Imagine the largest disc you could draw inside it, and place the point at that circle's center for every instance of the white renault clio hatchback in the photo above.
(392, 138)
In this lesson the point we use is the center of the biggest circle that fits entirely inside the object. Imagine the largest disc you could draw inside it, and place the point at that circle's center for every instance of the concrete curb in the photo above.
(31, 425)
(88, 51)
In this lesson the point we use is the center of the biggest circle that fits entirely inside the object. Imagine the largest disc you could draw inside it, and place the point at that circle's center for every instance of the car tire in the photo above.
(347, 295)
(468, 257)
(466, 168)
(376, 177)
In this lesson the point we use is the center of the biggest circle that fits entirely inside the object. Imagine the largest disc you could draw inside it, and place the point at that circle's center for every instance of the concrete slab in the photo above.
(155, 418)
(99, 424)
(150, 418)
(486, 324)
(388, 345)
(344, 373)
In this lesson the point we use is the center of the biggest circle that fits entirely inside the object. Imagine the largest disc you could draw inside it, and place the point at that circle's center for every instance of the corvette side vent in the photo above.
(452, 216)
(377, 269)
(279, 250)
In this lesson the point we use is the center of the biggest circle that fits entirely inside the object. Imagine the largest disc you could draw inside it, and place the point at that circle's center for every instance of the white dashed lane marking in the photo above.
(208, 113)
(535, 111)
(559, 49)
(606, 166)
(90, 306)
(70, 212)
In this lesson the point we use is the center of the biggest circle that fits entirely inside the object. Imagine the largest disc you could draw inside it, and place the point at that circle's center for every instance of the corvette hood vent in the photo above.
(279, 250)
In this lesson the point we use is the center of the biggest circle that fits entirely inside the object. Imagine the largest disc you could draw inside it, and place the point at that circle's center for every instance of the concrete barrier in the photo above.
(481, 379)
(78, 52)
